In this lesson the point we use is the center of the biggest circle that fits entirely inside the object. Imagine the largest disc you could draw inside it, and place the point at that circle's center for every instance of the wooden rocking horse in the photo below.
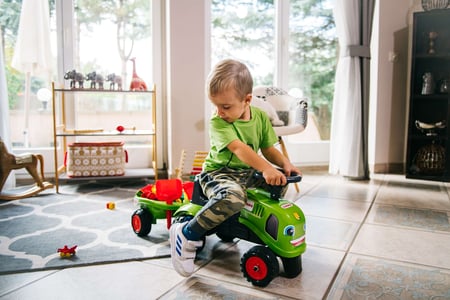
(9, 162)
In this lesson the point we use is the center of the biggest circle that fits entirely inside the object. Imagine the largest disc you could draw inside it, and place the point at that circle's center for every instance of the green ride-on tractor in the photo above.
(276, 225)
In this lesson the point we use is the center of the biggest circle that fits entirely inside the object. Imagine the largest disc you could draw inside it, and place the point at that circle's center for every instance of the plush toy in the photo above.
(282, 108)
(262, 104)
(279, 100)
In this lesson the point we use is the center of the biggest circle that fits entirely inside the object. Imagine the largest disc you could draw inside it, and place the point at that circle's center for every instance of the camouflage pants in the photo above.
(226, 190)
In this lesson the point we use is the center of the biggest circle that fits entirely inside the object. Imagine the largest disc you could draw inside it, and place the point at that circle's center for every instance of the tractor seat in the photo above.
(197, 195)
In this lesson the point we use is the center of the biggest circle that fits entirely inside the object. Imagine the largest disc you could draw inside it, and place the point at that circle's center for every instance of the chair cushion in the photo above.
(288, 130)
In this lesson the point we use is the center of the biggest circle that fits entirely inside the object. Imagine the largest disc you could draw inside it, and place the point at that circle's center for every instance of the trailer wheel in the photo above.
(141, 222)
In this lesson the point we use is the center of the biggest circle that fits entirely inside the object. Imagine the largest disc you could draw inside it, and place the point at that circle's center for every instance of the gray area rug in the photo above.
(33, 229)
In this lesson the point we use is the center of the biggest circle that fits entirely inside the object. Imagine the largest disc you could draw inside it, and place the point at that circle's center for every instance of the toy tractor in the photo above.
(276, 225)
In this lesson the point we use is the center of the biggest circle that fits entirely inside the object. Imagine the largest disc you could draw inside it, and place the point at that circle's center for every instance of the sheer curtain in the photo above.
(348, 142)
(4, 116)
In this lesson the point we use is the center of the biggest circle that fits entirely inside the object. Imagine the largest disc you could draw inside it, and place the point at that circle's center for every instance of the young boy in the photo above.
(237, 132)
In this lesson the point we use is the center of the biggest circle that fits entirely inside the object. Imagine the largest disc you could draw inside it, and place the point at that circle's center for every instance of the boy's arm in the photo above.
(277, 158)
(251, 158)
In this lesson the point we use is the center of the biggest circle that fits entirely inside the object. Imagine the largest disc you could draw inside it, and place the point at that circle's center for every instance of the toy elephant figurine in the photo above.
(114, 79)
(95, 79)
(75, 77)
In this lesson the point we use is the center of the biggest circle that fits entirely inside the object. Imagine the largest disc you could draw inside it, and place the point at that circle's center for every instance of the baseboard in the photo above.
(388, 168)
(321, 168)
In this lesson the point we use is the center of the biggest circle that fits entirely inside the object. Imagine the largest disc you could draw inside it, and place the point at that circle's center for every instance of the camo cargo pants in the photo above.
(226, 190)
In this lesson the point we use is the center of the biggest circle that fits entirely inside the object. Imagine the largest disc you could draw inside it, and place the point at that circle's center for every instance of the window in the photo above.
(28, 96)
(107, 37)
(312, 60)
(104, 36)
(245, 30)
(256, 32)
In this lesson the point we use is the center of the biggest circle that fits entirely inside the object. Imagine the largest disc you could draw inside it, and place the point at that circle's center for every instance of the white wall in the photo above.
(389, 84)
(188, 64)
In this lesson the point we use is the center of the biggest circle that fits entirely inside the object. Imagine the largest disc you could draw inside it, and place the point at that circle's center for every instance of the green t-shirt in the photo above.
(256, 133)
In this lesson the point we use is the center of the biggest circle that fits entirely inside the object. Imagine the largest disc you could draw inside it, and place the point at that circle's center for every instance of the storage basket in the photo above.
(96, 159)
(430, 159)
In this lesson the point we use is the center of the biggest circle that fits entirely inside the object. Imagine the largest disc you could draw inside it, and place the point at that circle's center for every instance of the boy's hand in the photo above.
(274, 177)
(291, 169)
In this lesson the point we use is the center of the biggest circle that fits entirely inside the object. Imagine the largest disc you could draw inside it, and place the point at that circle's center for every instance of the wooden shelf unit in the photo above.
(62, 134)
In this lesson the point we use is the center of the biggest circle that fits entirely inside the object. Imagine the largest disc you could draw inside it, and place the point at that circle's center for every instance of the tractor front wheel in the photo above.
(292, 266)
(259, 265)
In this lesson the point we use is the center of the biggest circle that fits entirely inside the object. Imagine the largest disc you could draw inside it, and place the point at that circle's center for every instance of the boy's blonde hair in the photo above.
(230, 73)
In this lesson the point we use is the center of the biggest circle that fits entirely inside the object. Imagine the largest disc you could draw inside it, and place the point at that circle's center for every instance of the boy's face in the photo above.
(231, 108)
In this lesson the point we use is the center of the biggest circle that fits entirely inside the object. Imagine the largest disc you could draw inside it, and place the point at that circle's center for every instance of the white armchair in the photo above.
(289, 115)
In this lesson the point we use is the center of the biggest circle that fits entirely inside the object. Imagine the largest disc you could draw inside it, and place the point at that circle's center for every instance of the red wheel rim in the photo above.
(136, 221)
(256, 268)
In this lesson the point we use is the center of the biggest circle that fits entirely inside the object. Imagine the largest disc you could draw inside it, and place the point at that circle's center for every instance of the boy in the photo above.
(237, 132)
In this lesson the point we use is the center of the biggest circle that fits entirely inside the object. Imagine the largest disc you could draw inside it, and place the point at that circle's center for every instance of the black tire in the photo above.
(199, 249)
(141, 222)
(292, 266)
(259, 265)
(224, 237)
(181, 219)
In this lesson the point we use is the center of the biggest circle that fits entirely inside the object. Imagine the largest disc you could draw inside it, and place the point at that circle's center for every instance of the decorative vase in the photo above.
(434, 4)
(428, 84)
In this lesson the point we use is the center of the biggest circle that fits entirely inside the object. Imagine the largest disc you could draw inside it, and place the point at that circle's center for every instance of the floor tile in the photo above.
(414, 218)
(371, 278)
(354, 190)
(134, 280)
(415, 246)
(11, 282)
(330, 233)
(416, 194)
(319, 267)
(205, 288)
(213, 247)
(340, 209)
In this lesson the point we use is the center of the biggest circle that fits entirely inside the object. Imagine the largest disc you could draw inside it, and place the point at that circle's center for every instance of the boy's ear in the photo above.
(248, 98)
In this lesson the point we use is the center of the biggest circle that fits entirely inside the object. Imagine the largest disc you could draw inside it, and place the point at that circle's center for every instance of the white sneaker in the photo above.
(182, 250)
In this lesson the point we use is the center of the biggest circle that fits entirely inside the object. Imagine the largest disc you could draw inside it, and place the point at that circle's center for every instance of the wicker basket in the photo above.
(96, 159)
(430, 159)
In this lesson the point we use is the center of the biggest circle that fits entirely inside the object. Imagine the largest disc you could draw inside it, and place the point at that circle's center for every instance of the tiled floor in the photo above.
(387, 238)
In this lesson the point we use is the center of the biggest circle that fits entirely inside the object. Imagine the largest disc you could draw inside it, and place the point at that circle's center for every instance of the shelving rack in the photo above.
(63, 135)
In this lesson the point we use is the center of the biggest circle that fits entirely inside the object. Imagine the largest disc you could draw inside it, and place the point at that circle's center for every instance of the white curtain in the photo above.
(348, 142)
(4, 116)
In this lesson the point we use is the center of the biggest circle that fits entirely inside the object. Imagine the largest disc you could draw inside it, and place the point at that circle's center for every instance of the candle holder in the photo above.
(432, 36)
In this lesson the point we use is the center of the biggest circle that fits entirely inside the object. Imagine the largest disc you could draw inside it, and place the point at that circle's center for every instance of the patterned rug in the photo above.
(33, 229)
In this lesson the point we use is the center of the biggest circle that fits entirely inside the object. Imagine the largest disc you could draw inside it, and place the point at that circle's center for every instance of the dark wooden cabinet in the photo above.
(428, 144)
